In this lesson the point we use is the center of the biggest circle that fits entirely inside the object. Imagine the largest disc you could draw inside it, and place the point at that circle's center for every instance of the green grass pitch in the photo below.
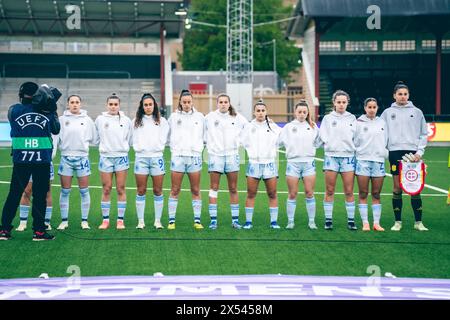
(226, 251)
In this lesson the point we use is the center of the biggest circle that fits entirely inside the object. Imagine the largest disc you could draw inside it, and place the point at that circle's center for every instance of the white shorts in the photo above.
(52, 173)
(301, 169)
(223, 164)
(262, 171)
(153, 166)
(339, 164)
(186, 164)
(370, 168)
(78, 165)
(113, 164)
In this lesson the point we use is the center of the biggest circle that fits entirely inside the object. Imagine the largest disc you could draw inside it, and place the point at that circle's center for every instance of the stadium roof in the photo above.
(99, 18)
(404, 12)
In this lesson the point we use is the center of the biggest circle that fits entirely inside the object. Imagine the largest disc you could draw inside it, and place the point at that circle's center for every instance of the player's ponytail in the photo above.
(231, 109)
(183, 93)
(400, 85)
(303, 103)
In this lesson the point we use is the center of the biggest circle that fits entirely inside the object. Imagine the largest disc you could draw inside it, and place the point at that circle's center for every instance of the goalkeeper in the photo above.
(407, 139)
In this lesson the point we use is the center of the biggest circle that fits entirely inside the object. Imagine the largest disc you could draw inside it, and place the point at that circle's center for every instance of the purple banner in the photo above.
(252, 287)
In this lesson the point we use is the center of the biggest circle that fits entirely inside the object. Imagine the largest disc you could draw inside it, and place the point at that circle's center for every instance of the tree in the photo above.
(205, 46)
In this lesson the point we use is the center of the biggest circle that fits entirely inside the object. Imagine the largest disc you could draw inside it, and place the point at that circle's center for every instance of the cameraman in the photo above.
(32, 123)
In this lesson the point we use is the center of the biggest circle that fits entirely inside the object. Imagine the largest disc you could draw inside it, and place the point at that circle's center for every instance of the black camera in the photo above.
(45, 98)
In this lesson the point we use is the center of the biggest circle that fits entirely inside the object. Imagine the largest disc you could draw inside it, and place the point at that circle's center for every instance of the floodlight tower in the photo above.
(240, 55)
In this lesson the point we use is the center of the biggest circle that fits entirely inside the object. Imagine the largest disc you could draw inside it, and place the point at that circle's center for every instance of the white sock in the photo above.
(376, 210)
(85, 203)
(363, 208)
(350, 207)
(121, 206)
(290, 208)
(24, 211)
(159, 204)
(140, 206)
(273, 214)
(311, 208)
(173, 203)
(213, 211)
(48, 214)
(235, 212)
(105, 205)
(64, 203)
(248, 214)
(197, 207)
(328, 208)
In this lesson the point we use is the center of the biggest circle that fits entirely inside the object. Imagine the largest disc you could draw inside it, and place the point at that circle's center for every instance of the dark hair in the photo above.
(73, 95)
(303, 103)
(369, 100)
(400, 85)
(140, 111)
(261, 103)
(231, 108)
(183, 93)
(113, 96)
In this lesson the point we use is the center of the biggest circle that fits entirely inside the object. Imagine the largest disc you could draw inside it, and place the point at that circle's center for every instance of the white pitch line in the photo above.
(282, 151)
(390, 175)
(240, 191)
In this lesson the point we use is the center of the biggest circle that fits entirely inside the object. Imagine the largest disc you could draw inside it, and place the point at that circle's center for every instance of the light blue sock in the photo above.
(106, 206)
(173, 203)
(290, 208)
(197, 207)
(328, 208)
(363, 212)
(213, 211)
(48, 214)
(140, 206)
(234, 212)
(121, 207)
(311, 208)
(159, 205)
(376, 211)
(273, 214)
(64, 203)
(24, 211)
(248, 214)
(85, 203)
(350, 207)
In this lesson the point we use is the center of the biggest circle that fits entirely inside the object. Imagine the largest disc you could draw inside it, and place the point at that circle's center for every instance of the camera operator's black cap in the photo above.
(28, 89)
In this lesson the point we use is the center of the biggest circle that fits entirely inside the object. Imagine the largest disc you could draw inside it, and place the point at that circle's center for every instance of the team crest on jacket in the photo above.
(216, 123)
(294, 130)
(179, 122)
(334, 124)
(393, 116)
(67, 123)
(253, 130)
(106, 125)
(365, 129)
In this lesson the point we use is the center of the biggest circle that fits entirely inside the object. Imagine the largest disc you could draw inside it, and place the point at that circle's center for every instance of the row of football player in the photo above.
(352, 146)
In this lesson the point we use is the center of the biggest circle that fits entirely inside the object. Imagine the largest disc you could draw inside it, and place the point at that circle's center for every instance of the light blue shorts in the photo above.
(223, 164)
(153, 166)
(78, 165)
(113, 164)
(339, 164)
(52, 173)
(370, 168)
(301, 169)
(186, 164)
(262, 171)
